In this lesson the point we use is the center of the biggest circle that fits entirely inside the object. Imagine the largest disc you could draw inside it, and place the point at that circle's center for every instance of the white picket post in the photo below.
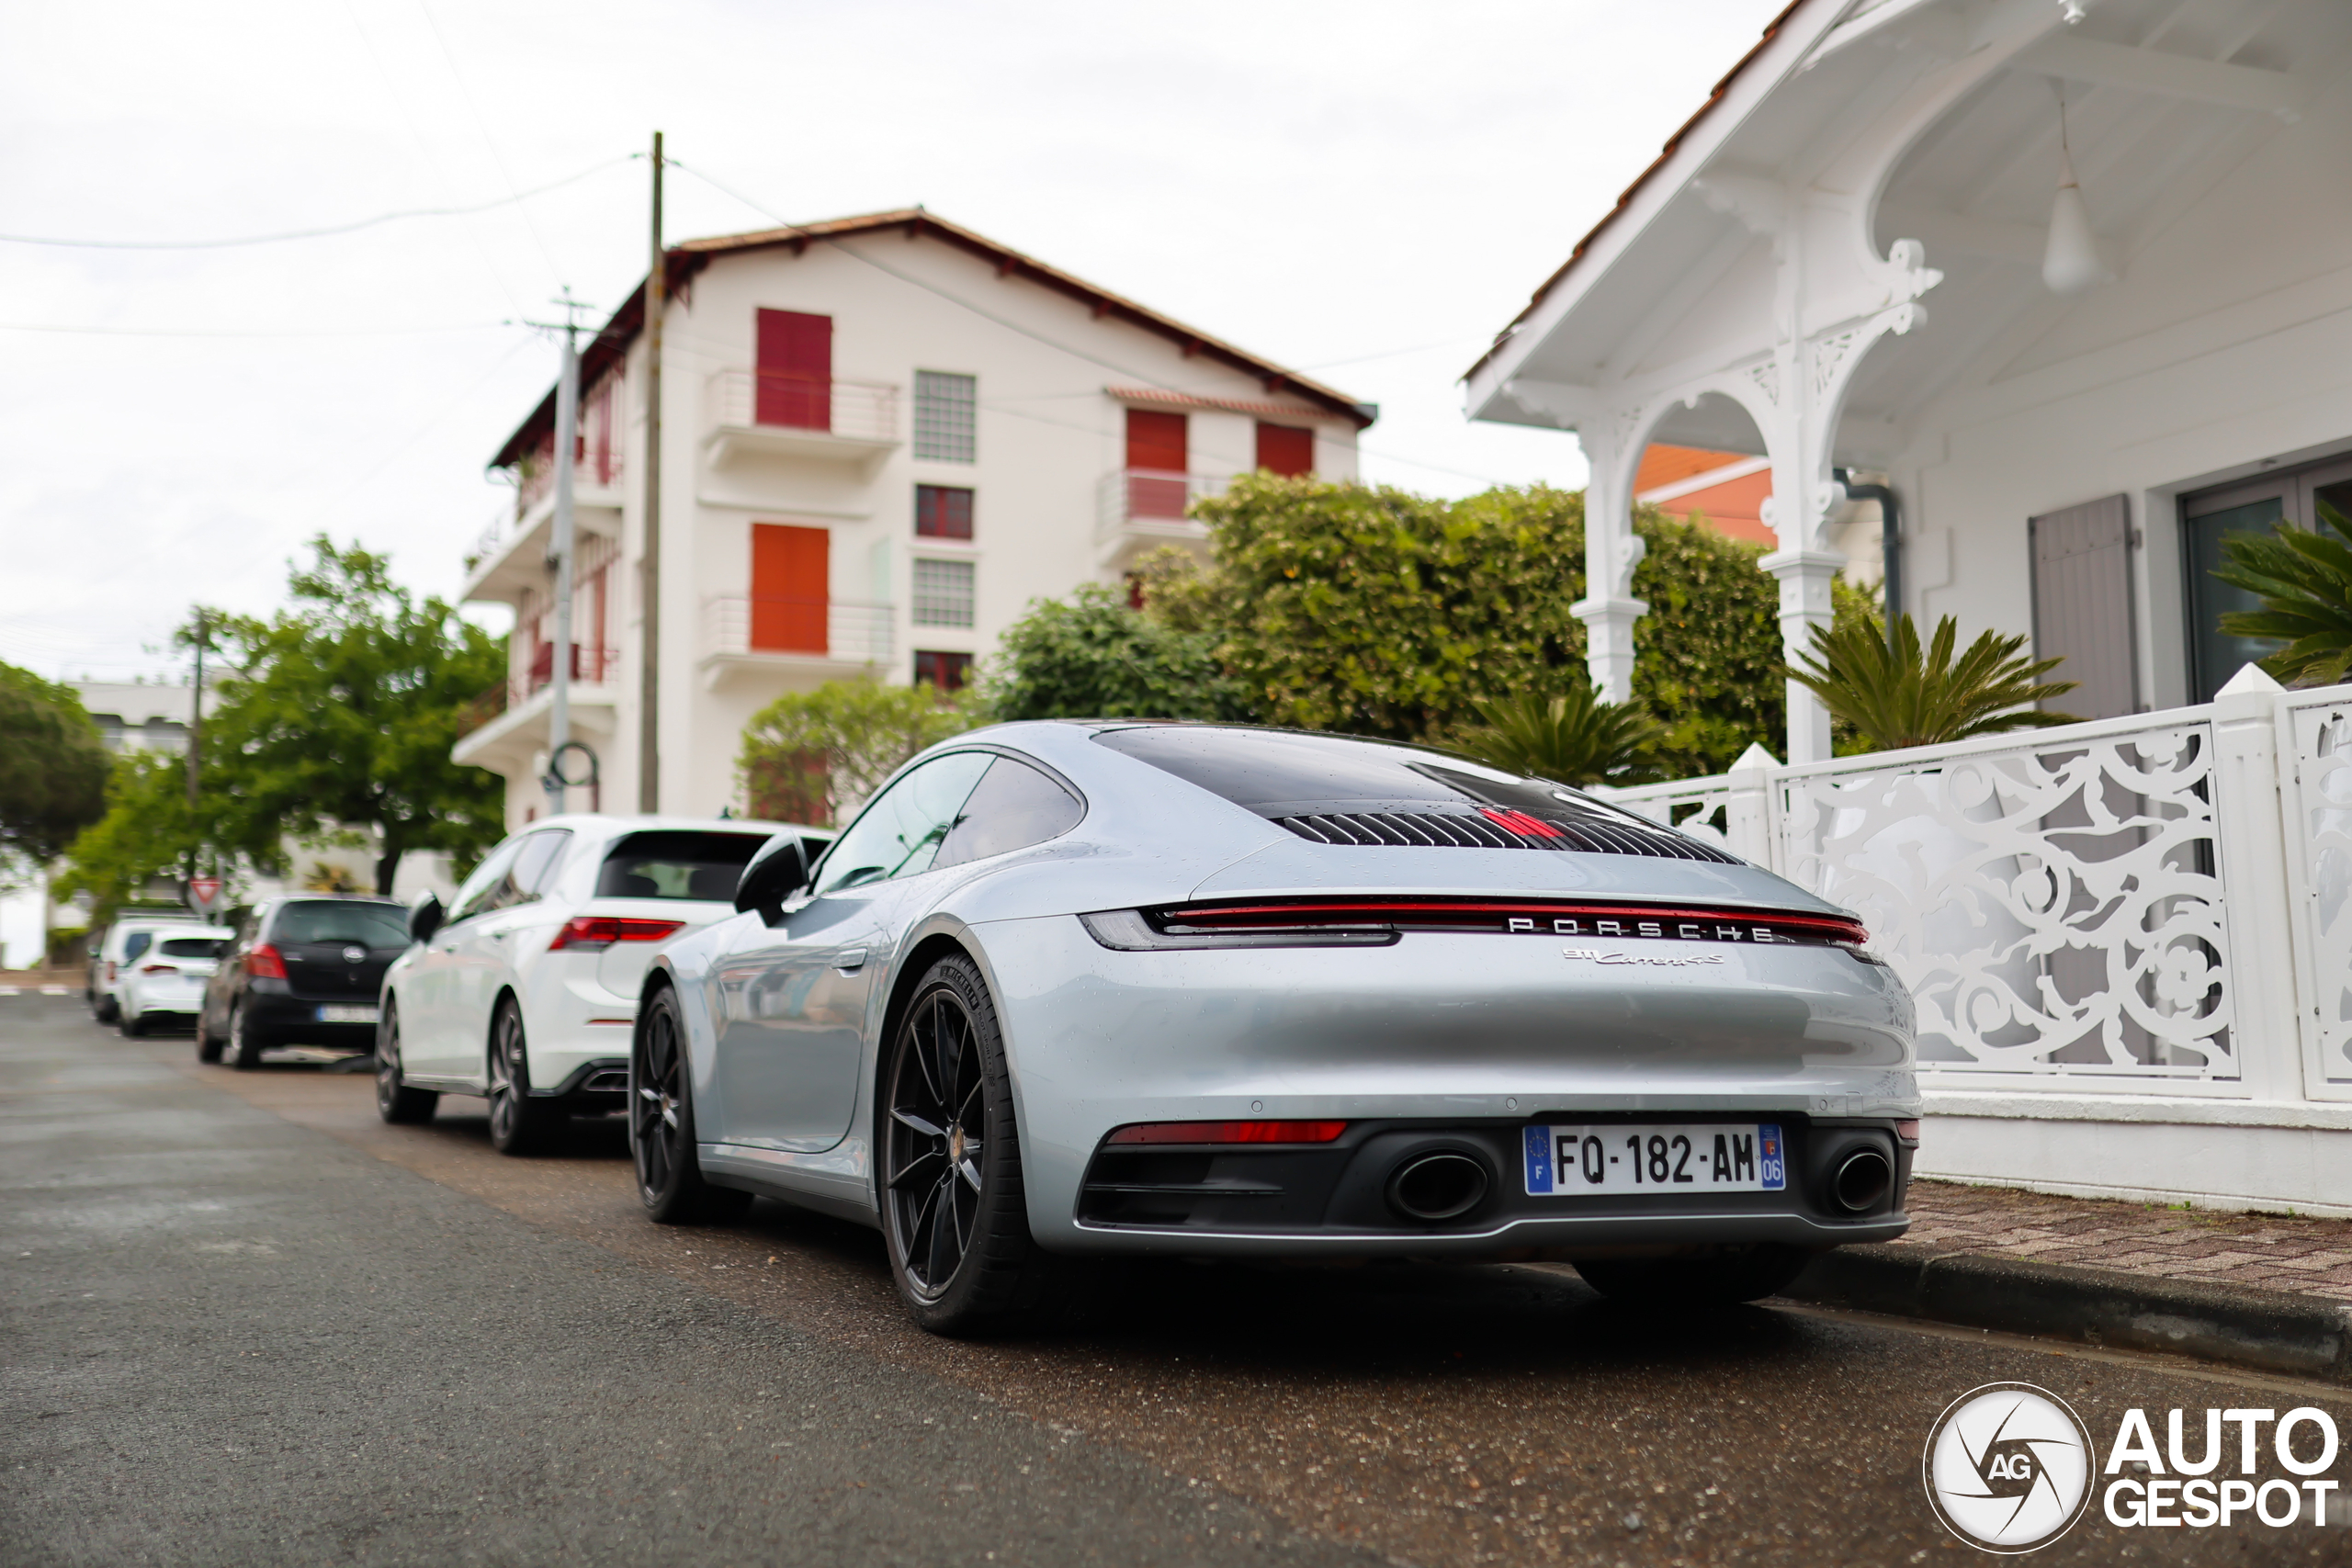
(1747, 819)
(2267, 1031)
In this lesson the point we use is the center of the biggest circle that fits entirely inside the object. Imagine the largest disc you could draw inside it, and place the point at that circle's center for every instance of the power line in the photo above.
(483, 129)
(248, 333)
(352, 228)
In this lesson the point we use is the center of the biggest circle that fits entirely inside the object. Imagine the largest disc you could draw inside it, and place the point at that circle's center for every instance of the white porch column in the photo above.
(1804, 575)
(1611, 550)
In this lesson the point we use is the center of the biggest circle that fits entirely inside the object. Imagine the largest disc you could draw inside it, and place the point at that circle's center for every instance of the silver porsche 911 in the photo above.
(1069, 991)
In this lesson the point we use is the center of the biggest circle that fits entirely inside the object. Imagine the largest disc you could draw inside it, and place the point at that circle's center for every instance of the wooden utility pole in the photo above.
(649, 734)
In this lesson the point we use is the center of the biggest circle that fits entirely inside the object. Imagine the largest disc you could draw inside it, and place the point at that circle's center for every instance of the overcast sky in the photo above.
(1367, 191)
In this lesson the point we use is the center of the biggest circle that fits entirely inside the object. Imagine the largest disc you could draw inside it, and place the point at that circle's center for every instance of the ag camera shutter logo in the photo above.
(2009, 1467)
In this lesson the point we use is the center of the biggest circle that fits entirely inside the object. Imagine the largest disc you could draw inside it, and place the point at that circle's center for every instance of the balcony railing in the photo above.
(743, 625)
(599, 469)
(590, 666)
(1130, 496)
(763, 399)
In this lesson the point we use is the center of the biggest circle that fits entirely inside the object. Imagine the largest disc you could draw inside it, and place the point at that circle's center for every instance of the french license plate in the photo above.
(347, 1015)
(1662, 1157)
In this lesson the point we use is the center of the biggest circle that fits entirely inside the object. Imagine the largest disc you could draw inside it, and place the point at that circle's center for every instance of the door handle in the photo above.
(851, 961)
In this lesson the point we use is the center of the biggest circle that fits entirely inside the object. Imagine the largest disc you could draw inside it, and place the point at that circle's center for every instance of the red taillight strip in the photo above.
(1828, 926)
(602, 931)
(1228, 1132)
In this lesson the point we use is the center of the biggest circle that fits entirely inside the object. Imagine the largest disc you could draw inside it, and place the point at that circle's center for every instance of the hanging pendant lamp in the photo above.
(2071, 262)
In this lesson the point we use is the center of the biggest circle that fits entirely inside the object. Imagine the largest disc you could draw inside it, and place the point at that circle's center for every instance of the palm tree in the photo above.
(1892, 696)
(2306, 580)
(1571, 738)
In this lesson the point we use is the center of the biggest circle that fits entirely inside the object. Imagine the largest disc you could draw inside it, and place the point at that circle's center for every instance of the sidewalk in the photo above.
(2265, 1252)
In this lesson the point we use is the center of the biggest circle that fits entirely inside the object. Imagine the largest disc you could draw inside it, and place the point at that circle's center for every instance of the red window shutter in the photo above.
(1156, 441)
(1285, 449)
(790, 588)
(795, 378)
(943, 512)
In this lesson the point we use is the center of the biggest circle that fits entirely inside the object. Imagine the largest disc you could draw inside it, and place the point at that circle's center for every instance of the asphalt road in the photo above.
(246, 1323)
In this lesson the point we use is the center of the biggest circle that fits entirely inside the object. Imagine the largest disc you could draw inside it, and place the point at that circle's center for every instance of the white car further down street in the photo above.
(524, 991)
(165, 982)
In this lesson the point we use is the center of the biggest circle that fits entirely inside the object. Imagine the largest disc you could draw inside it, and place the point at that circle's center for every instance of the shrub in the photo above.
(1892, 694)
(1093, 657)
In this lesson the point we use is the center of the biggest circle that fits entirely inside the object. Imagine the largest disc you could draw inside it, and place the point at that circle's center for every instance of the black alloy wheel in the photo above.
(954, 1215)
(395, 1101)
(661, 1125)
(245, 1043)
(519, 1125)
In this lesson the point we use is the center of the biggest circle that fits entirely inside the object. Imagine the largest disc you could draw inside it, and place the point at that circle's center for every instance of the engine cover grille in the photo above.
(1494, 829)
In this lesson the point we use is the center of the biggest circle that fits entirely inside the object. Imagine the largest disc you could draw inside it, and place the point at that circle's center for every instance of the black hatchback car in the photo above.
(305, 970)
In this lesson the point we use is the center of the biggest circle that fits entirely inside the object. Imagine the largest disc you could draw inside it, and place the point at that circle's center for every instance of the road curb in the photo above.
(2269, 1331)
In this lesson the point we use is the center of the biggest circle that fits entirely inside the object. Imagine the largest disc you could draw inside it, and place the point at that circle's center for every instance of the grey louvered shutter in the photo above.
(2082, 605)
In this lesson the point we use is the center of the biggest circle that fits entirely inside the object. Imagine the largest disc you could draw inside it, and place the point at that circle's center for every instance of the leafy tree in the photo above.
(342, 713)
(2304, 578)
(1894, 695)
(1094, 657)
(1373, 611)
(146, 834)
(815, 757)
(53, 770)
(1572, 738)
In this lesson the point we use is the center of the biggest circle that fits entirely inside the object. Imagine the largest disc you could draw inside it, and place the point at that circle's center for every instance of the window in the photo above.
(210, 946)
(1156, 441)
(791, 583)
(945, 413)
(948, 671)
(1285, 449)
(473, 895)
(1013, 807)
(942, 511)
(942, 592)
(792, 384)
(677, 864)
(333, 920)
(901, 828)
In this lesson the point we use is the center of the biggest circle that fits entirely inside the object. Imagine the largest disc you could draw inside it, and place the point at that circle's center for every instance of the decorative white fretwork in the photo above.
(2053, 905)
(1766, 375)
(2319, 862)
(1828, 353)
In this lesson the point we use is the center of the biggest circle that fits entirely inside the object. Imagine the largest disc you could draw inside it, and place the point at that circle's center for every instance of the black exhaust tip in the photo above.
(1863, 1180)
(1433, 1187)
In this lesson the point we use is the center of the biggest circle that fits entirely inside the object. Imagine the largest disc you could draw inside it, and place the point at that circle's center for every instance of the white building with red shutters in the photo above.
(882, 438)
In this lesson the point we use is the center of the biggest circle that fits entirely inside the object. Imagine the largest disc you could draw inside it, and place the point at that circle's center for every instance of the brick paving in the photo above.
(2270, 1252)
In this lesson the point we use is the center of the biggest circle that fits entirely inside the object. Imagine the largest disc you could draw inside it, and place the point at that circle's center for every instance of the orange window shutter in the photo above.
(1285, 449)
(791, 577)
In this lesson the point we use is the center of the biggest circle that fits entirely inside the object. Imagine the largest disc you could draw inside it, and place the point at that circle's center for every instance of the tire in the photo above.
(131, 1025)
(518, 1123)
(246, 1042)
(208, 1044)
(1729, 1276)
(395, 1101)
(107, 1010)
(955, 1221)
(670, 1182)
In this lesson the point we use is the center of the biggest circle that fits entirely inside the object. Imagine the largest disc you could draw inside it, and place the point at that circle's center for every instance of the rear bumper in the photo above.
(593, 1088)
(279, 1015)
(1335, 1200)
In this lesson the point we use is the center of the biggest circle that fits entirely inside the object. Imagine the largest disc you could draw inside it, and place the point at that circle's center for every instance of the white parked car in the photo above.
(524, 990)
(126, 941)
(164, 983)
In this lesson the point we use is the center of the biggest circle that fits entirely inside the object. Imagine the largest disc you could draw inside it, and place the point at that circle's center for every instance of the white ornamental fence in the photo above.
(2158, 905)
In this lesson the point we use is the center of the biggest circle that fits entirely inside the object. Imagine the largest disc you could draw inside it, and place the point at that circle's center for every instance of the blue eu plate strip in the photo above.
(1772, 1161)
(1539, 1159)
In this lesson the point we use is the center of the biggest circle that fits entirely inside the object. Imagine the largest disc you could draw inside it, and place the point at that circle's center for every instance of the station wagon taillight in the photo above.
(160, 969)
(593, 931)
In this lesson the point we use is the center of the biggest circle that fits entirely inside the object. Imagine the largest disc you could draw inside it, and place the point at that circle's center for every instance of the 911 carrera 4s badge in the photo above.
(1658, 960)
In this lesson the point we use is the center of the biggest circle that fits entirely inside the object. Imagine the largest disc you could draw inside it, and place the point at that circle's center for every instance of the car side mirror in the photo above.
(776, 874)
(425, 918)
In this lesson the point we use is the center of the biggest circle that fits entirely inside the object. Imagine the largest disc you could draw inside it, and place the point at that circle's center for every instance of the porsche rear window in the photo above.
(1280, 773)
(677, 864)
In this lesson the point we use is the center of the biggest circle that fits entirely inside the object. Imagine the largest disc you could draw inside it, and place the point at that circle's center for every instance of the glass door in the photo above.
(2205, 521)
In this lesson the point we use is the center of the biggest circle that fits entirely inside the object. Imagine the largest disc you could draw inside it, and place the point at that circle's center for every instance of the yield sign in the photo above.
(203, 890)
